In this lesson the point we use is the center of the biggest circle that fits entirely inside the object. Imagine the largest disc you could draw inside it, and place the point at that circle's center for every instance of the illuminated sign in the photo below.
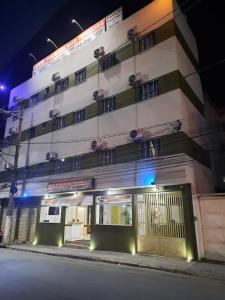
(79, 41)
(71, 185)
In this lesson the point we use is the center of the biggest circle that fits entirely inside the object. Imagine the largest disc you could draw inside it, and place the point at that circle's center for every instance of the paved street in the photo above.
(35, 276)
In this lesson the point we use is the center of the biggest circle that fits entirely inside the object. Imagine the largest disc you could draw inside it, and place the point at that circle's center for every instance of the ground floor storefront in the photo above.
(157, 220)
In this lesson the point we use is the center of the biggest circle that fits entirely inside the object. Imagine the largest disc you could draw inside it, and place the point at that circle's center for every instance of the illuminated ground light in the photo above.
(92, 246)
(24, 195)
(60, 243)
(35, 242)
(132, 249)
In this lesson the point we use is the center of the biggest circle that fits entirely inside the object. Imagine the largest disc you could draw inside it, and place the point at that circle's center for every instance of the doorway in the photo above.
(77, 223)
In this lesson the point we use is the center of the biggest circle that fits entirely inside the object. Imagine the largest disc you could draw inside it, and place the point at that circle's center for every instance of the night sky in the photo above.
(25, 24)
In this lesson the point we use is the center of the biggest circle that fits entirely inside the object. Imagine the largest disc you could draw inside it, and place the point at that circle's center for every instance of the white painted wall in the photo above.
(84, 56)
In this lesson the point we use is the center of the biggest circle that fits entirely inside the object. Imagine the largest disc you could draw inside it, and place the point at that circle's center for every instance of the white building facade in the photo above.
(113, 144)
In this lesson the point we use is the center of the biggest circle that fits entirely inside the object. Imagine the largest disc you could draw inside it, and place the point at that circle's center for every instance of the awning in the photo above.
(83, 200)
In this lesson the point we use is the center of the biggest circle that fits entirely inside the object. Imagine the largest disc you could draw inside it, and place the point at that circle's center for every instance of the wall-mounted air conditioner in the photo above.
(135, 79)
(12, 130)
(132, 34)
(99, 52)
(97, 146)
(56, 76)
(137, 135)
(54, 113)
(51, 156)
(176, 125)
(98, 95)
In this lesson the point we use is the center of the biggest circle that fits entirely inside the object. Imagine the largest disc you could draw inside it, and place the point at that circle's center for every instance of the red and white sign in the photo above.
(71, 185)
(79, 41)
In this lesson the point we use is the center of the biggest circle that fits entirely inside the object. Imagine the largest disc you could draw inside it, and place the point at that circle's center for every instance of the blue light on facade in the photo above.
(145, 177)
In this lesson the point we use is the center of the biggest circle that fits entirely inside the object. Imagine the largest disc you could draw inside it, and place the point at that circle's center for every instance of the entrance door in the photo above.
(160, 224)
(77, 222)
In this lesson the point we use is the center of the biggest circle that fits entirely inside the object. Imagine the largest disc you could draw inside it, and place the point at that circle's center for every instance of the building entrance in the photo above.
(77, 223)
(160, 224)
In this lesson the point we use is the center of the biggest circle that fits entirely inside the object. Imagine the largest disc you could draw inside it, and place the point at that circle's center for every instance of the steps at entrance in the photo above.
(78, 244)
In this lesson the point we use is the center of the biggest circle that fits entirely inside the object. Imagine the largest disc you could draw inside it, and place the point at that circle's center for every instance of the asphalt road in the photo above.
(35, 276)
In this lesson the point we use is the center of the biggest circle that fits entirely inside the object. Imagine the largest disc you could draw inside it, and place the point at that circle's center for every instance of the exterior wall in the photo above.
(162, 58)
(210, 226)
(143, 18)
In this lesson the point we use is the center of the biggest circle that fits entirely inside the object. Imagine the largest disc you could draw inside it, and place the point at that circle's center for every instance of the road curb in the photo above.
(135, 265)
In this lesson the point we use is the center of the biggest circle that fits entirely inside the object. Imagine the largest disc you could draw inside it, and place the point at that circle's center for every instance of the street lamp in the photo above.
(2, 87)
(32, 55)
(50, 41)
(75, 22)
(13, 188)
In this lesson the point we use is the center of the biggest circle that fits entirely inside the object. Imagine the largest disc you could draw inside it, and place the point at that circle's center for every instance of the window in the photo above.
(108, 104)
(148, 90)
(46, 92)
(77, 163)
(61, 122)
(58, 166)
(150, 148)
(50, 214)
(80, 76)
(35, 99)
(79, 116)
(147, 41)
(53, 211)
(62, 85)
(107, 61)
(30, 133)
(114, 210)
(106, 157)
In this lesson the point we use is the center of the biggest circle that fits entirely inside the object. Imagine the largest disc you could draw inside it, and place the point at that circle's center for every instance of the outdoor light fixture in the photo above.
(2, 87)
(46, 196)
(50, 41)
(75, 22)
(62, 159)
(32, 55)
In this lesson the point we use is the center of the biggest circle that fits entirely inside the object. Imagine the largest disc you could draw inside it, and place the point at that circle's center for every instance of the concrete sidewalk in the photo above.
(200, 269)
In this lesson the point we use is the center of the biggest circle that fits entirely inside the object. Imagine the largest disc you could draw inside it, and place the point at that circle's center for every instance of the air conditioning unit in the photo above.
(132, 34)
(53, 113)
(99, 52)
(56, 76)
(97, 146)
(176, 125)
(8, 167)
(12, 130)
(16, 99)
(135, 79)
(136, 135)
(51, 156)
(98, 95)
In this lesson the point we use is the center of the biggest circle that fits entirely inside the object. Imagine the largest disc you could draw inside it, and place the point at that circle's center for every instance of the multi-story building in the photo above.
(113, 141)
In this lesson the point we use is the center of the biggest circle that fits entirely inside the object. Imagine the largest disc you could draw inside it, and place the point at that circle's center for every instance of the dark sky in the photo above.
(25, 24)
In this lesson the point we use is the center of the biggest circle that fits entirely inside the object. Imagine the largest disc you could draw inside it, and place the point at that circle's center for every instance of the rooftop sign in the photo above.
(79, 41)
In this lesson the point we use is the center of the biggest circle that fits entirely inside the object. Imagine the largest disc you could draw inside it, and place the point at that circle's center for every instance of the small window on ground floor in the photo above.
(114, 210)
(50, 214)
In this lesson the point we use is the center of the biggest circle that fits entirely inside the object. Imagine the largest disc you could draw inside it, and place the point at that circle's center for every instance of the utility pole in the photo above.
(13, 186)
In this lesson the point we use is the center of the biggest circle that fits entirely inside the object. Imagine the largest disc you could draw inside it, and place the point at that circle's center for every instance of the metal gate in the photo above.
(160, 224)
(27, 224)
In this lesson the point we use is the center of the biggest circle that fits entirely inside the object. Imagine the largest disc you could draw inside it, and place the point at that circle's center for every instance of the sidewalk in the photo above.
(176, 265)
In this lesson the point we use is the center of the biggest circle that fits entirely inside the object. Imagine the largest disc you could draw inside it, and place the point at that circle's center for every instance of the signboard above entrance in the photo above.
(71, 185)
(79, 41)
